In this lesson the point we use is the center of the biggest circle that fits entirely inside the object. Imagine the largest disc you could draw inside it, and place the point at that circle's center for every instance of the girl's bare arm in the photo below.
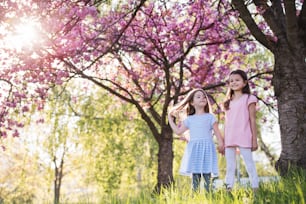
(219, 137)
(252, 112)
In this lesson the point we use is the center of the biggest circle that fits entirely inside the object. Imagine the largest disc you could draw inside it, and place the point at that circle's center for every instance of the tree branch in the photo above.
(275, 18)
(115, 42)
(266, 150)
(250, 23)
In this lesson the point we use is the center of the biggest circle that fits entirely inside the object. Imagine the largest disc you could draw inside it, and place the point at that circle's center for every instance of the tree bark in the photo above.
(165, 161)
(289, 83)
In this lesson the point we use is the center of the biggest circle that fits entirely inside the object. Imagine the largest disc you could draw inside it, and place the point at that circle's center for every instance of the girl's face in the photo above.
(236, 82)
(199, 99)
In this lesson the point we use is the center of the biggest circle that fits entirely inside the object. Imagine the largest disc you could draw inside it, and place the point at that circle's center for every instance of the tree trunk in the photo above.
(165, 161)
(58, 171)
(289, 83)
(57, 186)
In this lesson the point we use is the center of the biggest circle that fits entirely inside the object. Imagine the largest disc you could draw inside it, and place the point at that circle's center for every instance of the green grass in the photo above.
(288, 190)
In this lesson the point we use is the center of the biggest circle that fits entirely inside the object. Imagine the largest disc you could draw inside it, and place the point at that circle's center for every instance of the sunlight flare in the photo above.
(24, 35)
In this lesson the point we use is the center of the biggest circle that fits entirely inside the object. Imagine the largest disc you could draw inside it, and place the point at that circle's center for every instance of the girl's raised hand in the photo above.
(171, 114)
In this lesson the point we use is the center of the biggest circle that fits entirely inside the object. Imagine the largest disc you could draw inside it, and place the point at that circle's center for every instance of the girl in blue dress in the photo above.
(200, 157)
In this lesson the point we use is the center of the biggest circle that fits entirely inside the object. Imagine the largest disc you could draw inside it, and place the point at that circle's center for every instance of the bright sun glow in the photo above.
(25, 35)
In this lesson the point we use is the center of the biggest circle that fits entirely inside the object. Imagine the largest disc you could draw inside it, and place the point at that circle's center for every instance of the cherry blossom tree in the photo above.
(147, 53)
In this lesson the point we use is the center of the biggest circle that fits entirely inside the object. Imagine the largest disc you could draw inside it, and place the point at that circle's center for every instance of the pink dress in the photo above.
(237, 130)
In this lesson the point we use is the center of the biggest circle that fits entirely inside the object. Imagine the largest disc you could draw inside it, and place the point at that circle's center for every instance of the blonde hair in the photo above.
(186, 103)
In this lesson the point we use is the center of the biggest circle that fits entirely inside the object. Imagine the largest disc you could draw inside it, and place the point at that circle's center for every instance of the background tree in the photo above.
(108, 149)
(18, 172)
(119, 153)
(59, 139)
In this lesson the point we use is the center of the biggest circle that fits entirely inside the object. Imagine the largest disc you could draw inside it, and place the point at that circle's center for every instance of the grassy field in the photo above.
(287, 190)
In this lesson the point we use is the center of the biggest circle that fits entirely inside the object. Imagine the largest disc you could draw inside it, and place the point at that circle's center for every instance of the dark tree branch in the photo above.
(115, 92)
(114, 43)
(275, 18)
(251, 24)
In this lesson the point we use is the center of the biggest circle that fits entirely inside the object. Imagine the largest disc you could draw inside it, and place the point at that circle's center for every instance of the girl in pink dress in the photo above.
(240, 127)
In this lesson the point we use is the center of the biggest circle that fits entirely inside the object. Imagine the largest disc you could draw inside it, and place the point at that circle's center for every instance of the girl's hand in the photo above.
(171, 114)
(254, 145)
(221, 149)
(184, 138)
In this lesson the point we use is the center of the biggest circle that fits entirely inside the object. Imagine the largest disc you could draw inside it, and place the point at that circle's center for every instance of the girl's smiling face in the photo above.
(236, 82)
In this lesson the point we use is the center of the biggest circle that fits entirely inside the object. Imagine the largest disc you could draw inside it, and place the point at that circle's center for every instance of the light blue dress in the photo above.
(200, 155)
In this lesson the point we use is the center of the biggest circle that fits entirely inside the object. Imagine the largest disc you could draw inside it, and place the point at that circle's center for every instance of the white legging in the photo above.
(230, 155)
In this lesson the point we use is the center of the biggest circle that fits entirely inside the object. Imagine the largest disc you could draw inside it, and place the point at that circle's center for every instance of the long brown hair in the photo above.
(230, 92)
(190, 110)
